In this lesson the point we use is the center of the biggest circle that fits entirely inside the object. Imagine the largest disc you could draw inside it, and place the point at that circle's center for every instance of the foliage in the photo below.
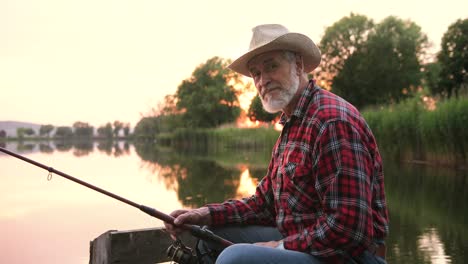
(46, 130)
(257, 113)
(396, 47)
(453, 59)
(432, 76)
(111, 130)
(64, 132)
(372, 64)
(83, 129)
(352, 84)
(206, 99)
(150, 126)
(105, 131)
(387, 69)
(340, 41)
(126, 130)
(169, 106)
(23, 131)
(218, 139)
(29, 131)
(147, 127)
(20, 132)
(79, 130)
(441, 133)
(117, 127)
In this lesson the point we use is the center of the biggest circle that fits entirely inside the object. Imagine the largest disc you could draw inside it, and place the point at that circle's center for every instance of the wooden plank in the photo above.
(100, 249)
(141, 246)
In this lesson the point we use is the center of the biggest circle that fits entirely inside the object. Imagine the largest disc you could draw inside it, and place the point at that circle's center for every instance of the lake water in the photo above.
(52, 220)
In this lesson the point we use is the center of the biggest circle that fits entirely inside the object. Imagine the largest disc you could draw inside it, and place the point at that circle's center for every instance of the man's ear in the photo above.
(299, 64)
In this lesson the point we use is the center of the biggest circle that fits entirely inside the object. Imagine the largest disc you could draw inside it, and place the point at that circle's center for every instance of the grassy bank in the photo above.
(409, 131)
(214, 140)
(406, 131)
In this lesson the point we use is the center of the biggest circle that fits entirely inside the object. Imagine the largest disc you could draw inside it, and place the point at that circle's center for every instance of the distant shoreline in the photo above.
(10, 127)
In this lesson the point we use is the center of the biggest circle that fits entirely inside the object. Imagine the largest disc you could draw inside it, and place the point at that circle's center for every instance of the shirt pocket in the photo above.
(298, 187)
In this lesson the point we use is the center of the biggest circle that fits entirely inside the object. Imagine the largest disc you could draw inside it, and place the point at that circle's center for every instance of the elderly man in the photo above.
(322, 199)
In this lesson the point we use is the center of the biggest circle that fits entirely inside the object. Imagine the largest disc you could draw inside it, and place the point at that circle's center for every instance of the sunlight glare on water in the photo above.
(430, 244)
(247, 185)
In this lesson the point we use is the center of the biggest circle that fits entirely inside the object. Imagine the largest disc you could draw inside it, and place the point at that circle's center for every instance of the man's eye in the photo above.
(272, 66)
(255, 74)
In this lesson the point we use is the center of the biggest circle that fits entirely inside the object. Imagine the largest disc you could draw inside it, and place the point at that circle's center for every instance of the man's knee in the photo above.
(237, 253)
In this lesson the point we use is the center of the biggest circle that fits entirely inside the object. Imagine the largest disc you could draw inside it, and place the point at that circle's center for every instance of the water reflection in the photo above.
(431, 246)
(428, 214)
(428, 209)
(247, 184)
(196, 180)
(46, 148)
(79, 148)
(37, 215)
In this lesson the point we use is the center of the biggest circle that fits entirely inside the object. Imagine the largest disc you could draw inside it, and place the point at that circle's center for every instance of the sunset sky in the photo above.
(97, 61)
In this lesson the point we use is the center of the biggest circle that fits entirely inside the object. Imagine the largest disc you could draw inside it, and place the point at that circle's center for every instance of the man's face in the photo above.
(275, 78)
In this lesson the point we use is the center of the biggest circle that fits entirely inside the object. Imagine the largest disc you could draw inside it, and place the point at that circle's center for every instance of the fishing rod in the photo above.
(195, 230)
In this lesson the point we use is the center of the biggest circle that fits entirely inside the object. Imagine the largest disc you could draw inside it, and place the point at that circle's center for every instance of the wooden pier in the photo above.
(142, 246)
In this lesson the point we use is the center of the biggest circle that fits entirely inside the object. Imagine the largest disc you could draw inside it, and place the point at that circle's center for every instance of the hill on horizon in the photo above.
(10, 127)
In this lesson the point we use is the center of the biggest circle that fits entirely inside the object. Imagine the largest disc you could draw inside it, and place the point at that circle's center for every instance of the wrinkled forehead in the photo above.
(265, 57)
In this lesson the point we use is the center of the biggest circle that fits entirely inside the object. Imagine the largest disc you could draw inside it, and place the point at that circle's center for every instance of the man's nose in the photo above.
(265, 80)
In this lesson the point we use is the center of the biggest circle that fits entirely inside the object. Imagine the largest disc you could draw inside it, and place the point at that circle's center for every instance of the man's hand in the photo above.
(200, 216)
(272, 244)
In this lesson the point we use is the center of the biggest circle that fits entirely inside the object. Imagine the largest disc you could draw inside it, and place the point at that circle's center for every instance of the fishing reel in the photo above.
(179, 253)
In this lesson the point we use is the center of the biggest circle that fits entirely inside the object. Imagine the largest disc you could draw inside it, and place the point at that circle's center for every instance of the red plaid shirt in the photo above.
(324, 189)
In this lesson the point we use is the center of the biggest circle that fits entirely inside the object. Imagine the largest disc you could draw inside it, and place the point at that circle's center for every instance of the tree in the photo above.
(170, 117)
(206, 99)
(257, 113)
(166, 118)
(45, 130)
(64, 132)
(20, 132)
(3, 134)
(126, 129)
(453, 59)
(117, 127)
(105, 131)
(24, 131)
(339, 42)
(147, 127)
(432, 76)
(387, 68)
(352, 83)
(82, 129)
(29, 131)
(169, 106)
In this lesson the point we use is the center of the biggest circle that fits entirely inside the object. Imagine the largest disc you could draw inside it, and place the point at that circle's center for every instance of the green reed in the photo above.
(220, 138)
(409, 130)
(404, 131)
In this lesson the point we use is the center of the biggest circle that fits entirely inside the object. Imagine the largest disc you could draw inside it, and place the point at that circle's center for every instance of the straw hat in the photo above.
(277, 37)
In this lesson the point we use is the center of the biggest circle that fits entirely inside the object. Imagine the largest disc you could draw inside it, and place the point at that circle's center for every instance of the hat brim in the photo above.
(295, 42)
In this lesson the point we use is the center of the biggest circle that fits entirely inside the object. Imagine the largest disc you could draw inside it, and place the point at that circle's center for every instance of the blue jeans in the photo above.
(243, 251)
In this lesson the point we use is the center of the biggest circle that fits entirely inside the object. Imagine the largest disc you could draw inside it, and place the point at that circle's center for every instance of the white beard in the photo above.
(279, 99)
